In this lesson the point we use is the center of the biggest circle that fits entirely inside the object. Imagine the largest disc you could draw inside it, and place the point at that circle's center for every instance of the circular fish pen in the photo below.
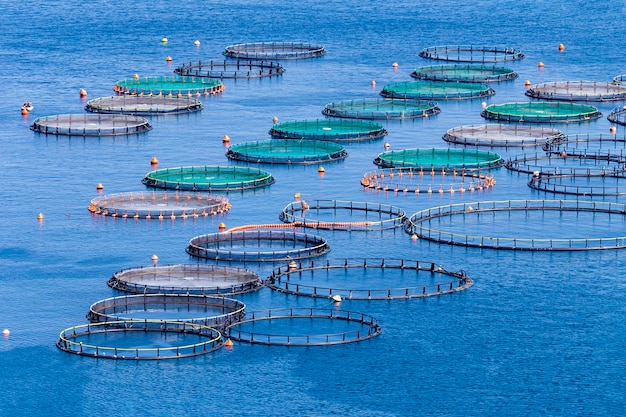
(541, 112)
(287, 151)
(143, 106)
(140, 339)
(334, 130)
(147, 205)
(516, 221)
(274, 50)
(586, 164)
(410, 180)
(586, 143)
(381, 109)
(618, 116)
(195, 279)
(465, 73)
(467, 53)
(288, 327)
(502, 135)
(208, 178)
(361, 279)
(208, 311)
(577, 91)
(439, 158)
(230, 69)
(436, 90)
(257, 246)
(592, 186)
(340, 215)
(619, 79)
(90, 125)
(169, 86)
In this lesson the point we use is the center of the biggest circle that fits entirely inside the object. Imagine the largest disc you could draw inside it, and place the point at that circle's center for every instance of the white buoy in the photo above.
(336, 298)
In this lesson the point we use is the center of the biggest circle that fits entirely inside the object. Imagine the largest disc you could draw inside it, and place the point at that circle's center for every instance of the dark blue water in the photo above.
(537, 334)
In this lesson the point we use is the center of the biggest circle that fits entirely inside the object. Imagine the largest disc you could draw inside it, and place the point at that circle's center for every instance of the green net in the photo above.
(541, 112)
(208, 178)
(287, 151)
(328, 129)
(174, 86)
(464, 72)
(383, 109)
(439, 159)
(436, 90)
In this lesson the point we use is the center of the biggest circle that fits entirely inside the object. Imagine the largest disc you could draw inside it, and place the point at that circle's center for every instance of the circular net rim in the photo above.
(385, 109)
(581, 91)
(128, 125)
(559, 144)
(289, 215)
(413, 227)
(464, 91)
(150, 86)
(332, 151)
(229, 69)
(617, 116)
(544, 183)
(533, 116)
(438, 73)
(279, 280)
(519, 163)
(142, 106)
(373, 330)
(111, 205)
(455, 135)
(66, 337)
(247, 280)
(289, 130)
(500, 54)
(261, 178)
(618, 79)
(491, 160)
(274, 50)
(313, 246)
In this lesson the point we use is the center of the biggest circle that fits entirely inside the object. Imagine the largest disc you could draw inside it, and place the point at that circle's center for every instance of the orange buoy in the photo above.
(321, 169)
(563, 154)
(293, 266)
(395, 65)
(226, 139)
(228, 343)
(168, 59)
(527, 83)
(613, 130)
(275, 119)
(82, 92)
(40, 216)
(154, 160)
(413, 236)
(221, 227)
(136, 76)
(561, 47)
(99, 186)
(155, 258)
(373, 83)
(24, 112)
(296, 196)
(540, 64)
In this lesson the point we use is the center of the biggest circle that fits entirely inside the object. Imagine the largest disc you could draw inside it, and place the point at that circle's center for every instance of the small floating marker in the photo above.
(197, 43)
(563, 154)
(484, 104)
(395, 65)
(561, 47)
(336, 298)
(293, 266)
(6, 332)
(226, 139)
(24, 112)
(470, 208)
(527, 83)
(387, 145)
(136, 76)
(221, 227)
(168, 59)
(155, 258)
(373, 83)
(154, 161)
(275, 119)
(540, 64)
(536, 174)
(99, 186)
(296, 196)
(164, 39)
(613, 130)
(413, 236)
(321, 169)
(40, 216)
(82, 92)
(228, 343)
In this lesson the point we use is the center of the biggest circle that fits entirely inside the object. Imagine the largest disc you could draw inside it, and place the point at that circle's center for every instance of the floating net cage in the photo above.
(439, 158)
(257, 246)
(591, 186)
(367, 279)
(304, 327)
(169, 86)
(619, 79)
(541, 112)
(230, 69)
(586, 143)
(208, 178)
(585, 164)
(140, 339)
(381, 109)
(436, 90)
(516, 221)
(416, 180)
(465, 73)
(215, 312)
(195, 279)
(147, 205)
(343, 215)
(287, 151)
(502, 135)
(90, 125)
(618, 116)
(578, 91)
(274, 50)
(466, 53)
(334, 130)
(144, 105)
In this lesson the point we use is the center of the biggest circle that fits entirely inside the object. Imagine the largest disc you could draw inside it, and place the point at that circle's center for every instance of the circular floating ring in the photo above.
(436, 90)
(618, 116)
(274, 50)
(427, 279)
(208, 311)
(583, 165)
(146, 205)
(90, 125)
(605, 185)
(464, 72)
(357, 327)
(373, 216)
(146, 339)
(196, 279)
(144, 105)
(442, 158)
(466, 53)
(619, 79)
(584, 144)
(208, 178)
(541, 112)
(484, 214)
(287, 151)
(381, 109)
(257, 246)
(501, 135)
(334, 130)
(168, 86)
(578, 91)
(410, 180)
(230, 69)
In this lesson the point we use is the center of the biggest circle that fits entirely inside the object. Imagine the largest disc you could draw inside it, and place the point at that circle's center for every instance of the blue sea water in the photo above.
(538, 333)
